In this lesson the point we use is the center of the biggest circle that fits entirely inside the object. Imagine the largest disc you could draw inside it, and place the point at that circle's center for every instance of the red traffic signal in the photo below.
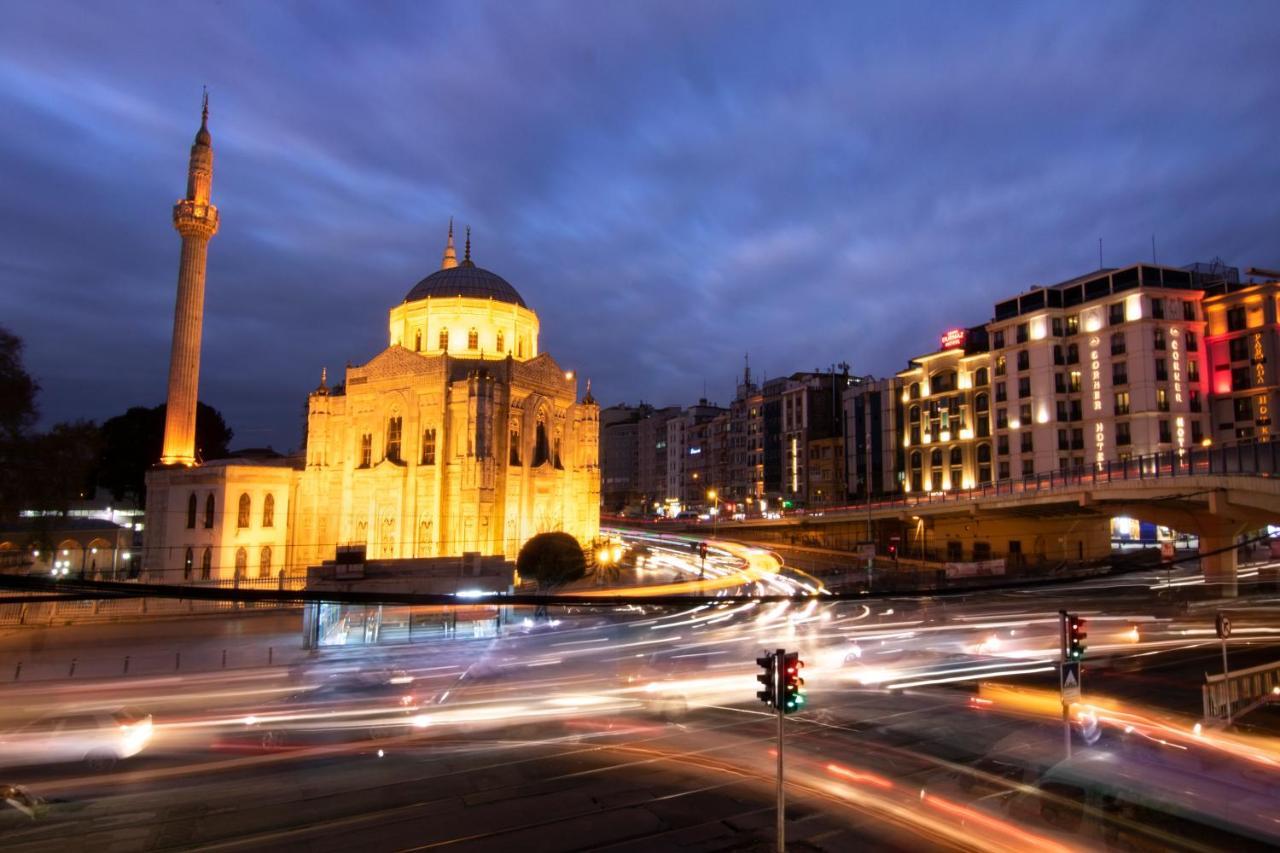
(793, 692)
(1076, 636)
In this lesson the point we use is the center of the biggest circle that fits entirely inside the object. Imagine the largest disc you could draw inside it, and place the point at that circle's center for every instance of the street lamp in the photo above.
(713, 495)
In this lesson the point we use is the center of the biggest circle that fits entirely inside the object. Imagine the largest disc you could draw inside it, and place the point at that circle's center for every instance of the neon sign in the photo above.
(1175, 356)
(1095, 372)
(953, 338)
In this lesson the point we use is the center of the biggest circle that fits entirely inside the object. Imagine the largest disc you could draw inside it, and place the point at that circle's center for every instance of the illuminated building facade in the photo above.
(1241, 340)
(1099, 368)
(460, 437)
(1096, 369)
(946, 426)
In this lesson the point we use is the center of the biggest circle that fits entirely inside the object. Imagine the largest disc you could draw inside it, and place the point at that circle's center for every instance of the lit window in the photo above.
(473, 339)
(444, 340)
(242, 517)
(501, 342)
(269, 511)
(264, 563)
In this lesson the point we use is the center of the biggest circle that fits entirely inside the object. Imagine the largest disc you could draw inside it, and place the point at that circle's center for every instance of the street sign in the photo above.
(1071, 682)
(1223, 625)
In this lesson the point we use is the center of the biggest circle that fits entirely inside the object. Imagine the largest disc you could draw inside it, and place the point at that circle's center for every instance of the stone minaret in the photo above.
(196, 220)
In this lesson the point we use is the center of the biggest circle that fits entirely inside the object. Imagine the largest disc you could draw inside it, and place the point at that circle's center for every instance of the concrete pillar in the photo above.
(1219, 568)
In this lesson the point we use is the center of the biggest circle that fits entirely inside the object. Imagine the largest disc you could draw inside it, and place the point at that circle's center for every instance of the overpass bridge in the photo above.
(1214, 493)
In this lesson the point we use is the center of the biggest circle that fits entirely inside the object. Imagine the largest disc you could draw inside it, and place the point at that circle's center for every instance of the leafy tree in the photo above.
(132, 442)
(552, 560)
(17, 389)
(60, 465)
(17, 415)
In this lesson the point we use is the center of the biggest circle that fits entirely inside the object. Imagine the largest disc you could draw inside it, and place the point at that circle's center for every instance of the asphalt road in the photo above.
(636, 730)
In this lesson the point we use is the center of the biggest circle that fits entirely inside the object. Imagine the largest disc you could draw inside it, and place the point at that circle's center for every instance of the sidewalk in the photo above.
(132, 648)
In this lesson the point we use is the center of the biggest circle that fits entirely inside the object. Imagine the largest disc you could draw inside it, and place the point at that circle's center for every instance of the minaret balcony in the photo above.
(197, 217)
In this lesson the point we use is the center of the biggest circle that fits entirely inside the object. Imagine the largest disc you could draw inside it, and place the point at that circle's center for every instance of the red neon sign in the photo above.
(953, 338)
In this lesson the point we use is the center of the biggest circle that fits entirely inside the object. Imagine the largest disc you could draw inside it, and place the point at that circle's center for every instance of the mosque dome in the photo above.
(466, 280)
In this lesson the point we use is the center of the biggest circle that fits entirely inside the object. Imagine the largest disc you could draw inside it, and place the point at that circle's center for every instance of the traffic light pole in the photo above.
(779, 664)
(1066, 709)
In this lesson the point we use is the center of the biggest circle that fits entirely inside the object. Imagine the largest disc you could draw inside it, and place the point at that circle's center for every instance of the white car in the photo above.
(100, 738)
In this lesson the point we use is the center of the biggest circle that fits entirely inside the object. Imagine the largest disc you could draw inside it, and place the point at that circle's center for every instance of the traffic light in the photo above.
(793, 692)
(769, 679)
(1076, 637)
(702, 550)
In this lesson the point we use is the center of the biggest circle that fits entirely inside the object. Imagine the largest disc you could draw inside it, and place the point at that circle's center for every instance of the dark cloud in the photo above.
(669, 185)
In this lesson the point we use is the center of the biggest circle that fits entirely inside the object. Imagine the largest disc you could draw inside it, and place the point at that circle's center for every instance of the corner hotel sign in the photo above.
(1095, 388)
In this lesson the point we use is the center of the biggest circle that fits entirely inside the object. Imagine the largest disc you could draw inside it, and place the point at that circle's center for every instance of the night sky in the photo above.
(669, 185)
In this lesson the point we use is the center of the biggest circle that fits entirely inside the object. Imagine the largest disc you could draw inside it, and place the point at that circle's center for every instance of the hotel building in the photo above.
(1099, 368)
(1241, 341)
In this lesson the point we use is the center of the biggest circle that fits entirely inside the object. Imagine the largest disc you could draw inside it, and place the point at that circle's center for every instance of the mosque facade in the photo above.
(461, 437)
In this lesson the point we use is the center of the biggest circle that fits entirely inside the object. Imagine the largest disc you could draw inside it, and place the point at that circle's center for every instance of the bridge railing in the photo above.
(1260, 459)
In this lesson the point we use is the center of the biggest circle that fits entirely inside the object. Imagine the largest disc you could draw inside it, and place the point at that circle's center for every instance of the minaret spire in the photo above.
(197, 221)
(466, 258)
(450, 259)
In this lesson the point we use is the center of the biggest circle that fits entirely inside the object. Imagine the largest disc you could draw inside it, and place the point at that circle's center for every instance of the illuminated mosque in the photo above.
(461, 437)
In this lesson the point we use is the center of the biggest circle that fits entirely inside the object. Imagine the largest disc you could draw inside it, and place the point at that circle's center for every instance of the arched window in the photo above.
(917, 482)
(915, 414)
(984, 463)
(264, 563)
(514, 456)
(191, 511)
(957, 458)
(555, 456)
(540, 449)
(980, 403)
(206, 565)
(417, 341)
(501, 342)
(242, 563)
(393, 439)
(473, 339)
(935, 458)
(981, 377)
(188, 563)
(269, 511)
(957, 468)
(429, 446)
(444, 340)
(242, 516)
(520, 348)
(208, 511)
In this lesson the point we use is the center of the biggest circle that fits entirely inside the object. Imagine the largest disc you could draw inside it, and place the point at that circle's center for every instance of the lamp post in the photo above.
(714, 496)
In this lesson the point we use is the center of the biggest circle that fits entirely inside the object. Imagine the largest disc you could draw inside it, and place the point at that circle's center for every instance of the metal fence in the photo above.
(44, 613)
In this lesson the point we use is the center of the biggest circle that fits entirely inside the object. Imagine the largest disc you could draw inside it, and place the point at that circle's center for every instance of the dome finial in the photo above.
(466, 258)
(450, 259)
